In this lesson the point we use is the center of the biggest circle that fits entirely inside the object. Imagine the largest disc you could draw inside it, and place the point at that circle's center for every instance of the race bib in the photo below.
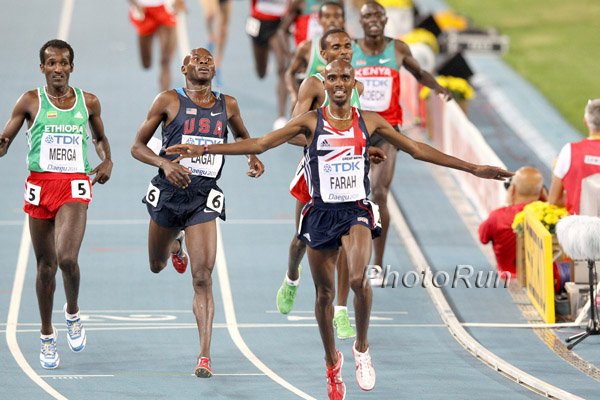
(314, 29)
(80, 189)
(341, 180)
(32, 193)
(215, 200)
(272, 7)
(377, 94)
(207, 165)
(252, 26)
(62, 153)
(152, 195)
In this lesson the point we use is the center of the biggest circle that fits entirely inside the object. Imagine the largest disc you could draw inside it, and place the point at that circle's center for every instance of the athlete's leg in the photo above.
(145, 44)
(282, 61)
(161, 244)
(167, 37)
(42, 238)
(343, 283)
(358, 243)
(261, 58)
(297, 247)
(209, 9)
(381, 179)
(224, 13)
(68, 232)
(322, 266)
(201, 241)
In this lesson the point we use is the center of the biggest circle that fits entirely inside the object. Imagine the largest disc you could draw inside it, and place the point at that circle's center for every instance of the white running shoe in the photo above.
(365, 373)
(49, 355)
(75, 332)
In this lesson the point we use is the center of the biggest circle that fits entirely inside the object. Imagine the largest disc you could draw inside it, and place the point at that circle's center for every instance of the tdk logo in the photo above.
(67, 139)
(346, 166)
(199, 140)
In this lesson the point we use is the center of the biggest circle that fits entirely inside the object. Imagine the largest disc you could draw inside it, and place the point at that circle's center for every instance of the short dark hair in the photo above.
(332, 3)
(329, 33)
(58, 44)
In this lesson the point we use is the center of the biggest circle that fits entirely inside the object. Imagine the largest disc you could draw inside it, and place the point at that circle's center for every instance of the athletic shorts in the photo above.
(298, 186)
(378, 141)
(153, 18)
(46, 192)
(173, 207)
(261, 30)
(322, 225)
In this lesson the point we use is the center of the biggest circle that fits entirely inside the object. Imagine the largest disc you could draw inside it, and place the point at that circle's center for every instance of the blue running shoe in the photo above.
(75, 333)
(49, 355)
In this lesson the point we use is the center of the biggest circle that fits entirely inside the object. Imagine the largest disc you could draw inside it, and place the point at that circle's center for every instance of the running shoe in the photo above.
(76, 336)
(203, 368)
(341, 321)
(180, 259)
(336, 389)
(49, 355)
(286, 295)
(365, 373)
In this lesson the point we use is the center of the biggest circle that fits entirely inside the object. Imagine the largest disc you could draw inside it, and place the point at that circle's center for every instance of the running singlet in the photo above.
(58, 138)
(354, 97)
(268, 9)
(337, 163)
(380, 75)
(197, 125)
(307, 23)
(316, 63)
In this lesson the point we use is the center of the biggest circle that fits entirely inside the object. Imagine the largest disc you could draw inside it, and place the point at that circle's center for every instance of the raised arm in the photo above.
(21, 112)
(412, 65)
(424, 152)
(103, 170)
(300, 125)
(241, 133)
(298, 64)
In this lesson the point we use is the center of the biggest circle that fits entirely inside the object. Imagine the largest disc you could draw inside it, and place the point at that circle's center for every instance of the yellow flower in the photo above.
(460, 88)
(421, 35)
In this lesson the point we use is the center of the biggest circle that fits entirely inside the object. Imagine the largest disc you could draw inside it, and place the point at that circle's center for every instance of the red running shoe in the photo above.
(203, 368)
(180, 259)
(336, 389)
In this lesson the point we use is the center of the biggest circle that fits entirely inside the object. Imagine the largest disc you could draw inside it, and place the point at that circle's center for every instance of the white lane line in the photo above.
(65, 19)
(12, 319)
(455, 327)
(66, 377)
(349, 312)
(241, 221)
(232, 325)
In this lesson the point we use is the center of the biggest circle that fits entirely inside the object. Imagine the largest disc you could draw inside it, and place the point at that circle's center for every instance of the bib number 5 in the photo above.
(32, 193)
(80, 189)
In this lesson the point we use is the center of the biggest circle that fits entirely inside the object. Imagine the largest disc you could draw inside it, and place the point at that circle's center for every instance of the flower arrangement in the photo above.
(460, 88)
(421, 35)
(547, 214)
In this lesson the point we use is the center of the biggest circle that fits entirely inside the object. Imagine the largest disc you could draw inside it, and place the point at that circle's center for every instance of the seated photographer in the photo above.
(526, 186)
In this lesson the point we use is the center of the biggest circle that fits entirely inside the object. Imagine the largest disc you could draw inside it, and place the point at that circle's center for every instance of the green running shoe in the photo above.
(286, 295)
(342, 325)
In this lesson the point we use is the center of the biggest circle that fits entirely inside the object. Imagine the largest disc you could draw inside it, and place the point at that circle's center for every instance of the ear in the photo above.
(42, 68)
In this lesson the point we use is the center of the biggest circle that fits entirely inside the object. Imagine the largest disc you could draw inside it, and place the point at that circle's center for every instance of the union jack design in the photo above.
(335, 143)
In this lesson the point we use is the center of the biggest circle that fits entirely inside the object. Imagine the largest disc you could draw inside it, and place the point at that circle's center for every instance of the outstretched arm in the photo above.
(424, 152)
(298, 64)
(241, 133)
(104, 169)
(20, 113)
(299, 125)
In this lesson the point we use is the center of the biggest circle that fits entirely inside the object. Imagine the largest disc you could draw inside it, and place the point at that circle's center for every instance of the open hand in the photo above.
(184, 151)
(490, 172)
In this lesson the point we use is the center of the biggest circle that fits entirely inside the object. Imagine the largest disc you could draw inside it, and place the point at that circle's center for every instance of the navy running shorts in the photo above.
(173, 207)
(322, 225)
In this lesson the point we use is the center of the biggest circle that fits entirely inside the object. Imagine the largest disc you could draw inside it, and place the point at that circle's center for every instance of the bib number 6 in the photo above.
(215, 200)
(152, 195)
(80, 189)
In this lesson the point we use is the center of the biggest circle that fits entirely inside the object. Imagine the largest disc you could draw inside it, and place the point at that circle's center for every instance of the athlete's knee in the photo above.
(380, 194)
(46, 271)
(68, 264)
(297, 245)
(202, 278)
(325, 296)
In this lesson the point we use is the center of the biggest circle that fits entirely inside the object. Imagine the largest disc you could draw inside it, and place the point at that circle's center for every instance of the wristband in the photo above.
(205, 152)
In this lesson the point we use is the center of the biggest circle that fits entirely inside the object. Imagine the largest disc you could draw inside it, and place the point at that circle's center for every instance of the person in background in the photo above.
(155, 17)
(526, 186)
(576, 161)
(216, 19)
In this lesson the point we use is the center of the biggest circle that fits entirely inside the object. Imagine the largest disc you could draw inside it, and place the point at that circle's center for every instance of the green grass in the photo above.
(554, 44)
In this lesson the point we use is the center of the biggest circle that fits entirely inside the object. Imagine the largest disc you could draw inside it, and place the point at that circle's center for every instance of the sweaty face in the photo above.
(199, 65)
(339, 81)
(331, 17)
(339, 47)
(372, 19)
(56, 66)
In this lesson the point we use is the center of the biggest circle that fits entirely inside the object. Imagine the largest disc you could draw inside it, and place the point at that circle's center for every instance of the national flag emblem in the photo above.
(191, 111)
(51, 114)
(78, 115)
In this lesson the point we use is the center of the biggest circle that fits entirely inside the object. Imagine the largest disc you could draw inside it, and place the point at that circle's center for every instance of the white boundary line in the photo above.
(454, 325)
(12, 318)
(264, 221)
(232, 326)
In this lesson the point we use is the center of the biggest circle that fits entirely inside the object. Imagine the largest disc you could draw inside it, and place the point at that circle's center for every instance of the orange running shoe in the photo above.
(336, 389)
(203, 368)
(180, 259)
